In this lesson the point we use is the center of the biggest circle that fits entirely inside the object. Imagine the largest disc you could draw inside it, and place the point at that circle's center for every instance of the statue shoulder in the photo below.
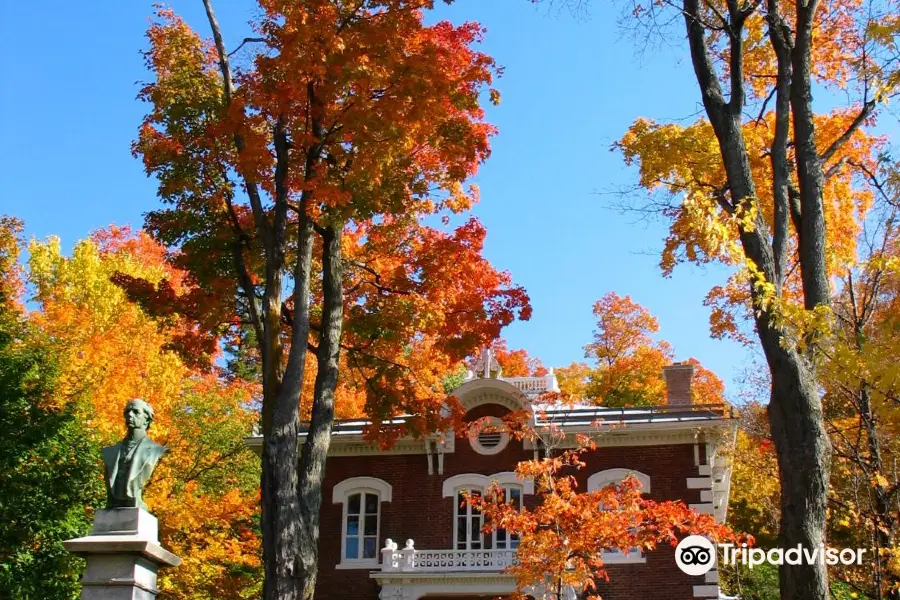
(156, 449)
(111, 452)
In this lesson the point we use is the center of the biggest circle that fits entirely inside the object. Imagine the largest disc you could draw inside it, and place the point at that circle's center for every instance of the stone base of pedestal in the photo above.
(123, 556)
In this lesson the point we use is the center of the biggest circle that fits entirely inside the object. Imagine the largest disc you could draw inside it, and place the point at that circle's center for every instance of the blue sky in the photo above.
(570, 88)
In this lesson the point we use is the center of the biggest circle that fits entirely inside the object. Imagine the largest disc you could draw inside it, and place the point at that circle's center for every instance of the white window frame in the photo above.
(507, 487)
(600, 480)
(341, 493)
(478, 482)
(457, 508)
(470, 535)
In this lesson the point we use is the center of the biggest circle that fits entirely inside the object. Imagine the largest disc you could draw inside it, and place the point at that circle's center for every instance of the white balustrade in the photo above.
(409, 559)
(464, 560)
(535, 385)
(529, 385)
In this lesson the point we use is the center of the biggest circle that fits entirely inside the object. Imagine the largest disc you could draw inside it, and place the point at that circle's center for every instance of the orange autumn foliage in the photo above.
(314, 164)
(627, 363)
(11, 284)
(564, 537)
(417, 299)
(204, 491)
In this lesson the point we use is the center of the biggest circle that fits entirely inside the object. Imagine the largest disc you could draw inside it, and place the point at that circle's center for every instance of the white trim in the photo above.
(619, 558)
(704, 508)
(706, 591)
(412, 586)
(472, 537)
(348, 564)
(341, 492)
(476, 392)
(699, 483)
(601, 479)
(631, 434)
(489, 423)
(354, 484)
(476, 480)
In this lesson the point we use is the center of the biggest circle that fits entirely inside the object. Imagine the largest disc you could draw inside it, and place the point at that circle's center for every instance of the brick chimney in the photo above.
(678, 383)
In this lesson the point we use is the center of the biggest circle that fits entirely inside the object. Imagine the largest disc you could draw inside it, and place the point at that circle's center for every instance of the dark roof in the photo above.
(583, 416)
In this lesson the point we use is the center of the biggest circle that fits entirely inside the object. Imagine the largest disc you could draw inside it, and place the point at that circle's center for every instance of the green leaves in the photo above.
(49, 473)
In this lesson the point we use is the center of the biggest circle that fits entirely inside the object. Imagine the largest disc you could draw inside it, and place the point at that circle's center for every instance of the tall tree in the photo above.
(48, 478)
(627, 363)
(758, 190)
(311, 167)
(862, 388)
(110, 351)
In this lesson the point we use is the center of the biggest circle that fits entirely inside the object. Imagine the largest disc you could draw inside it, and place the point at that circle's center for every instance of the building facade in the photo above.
(393, 527)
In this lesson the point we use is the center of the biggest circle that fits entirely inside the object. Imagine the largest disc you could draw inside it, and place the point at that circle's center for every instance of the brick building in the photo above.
(410, 494)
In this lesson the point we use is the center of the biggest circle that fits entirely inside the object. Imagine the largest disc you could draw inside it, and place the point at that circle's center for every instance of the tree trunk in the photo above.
(804, 464)
(795, 408)
(282, 529)
(318, 439)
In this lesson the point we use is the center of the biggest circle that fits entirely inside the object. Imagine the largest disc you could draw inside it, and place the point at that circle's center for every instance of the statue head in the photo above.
(138, 415)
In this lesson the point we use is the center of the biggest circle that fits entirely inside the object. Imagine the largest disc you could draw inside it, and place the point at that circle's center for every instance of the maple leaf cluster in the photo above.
(627, 362)
(565, 535)
(206, 490)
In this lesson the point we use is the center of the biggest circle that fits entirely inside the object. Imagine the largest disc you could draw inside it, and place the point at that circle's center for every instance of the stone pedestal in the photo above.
(123, 556)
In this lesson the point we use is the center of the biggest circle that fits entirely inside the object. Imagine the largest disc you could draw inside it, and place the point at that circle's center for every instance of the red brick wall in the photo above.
(419, 511)
(678, 383)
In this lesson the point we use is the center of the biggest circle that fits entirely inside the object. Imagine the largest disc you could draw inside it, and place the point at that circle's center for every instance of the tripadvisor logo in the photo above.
(696, 555)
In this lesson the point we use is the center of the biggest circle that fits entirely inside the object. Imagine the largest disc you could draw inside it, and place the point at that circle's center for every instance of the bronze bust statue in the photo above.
(130, 463)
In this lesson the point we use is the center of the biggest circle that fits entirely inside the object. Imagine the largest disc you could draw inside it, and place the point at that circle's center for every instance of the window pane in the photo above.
(371, 525)
(352, 547)
(352, 526)
(475, 510)
(371, 504)
(370, 546)
(515, 497)
(353, 504)
(461, 504)
(461, 530)
(501, 539)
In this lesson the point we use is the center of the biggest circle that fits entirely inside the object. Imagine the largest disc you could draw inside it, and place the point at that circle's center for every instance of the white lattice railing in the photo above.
(409, 559)
(463, 560)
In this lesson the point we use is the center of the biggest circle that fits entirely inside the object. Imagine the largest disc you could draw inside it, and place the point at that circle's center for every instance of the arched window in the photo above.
(468, 520)
(361, 522)
(600, 480)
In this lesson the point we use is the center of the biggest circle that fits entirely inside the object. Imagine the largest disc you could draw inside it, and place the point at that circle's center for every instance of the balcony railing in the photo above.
(409, 559)
(533, 385)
